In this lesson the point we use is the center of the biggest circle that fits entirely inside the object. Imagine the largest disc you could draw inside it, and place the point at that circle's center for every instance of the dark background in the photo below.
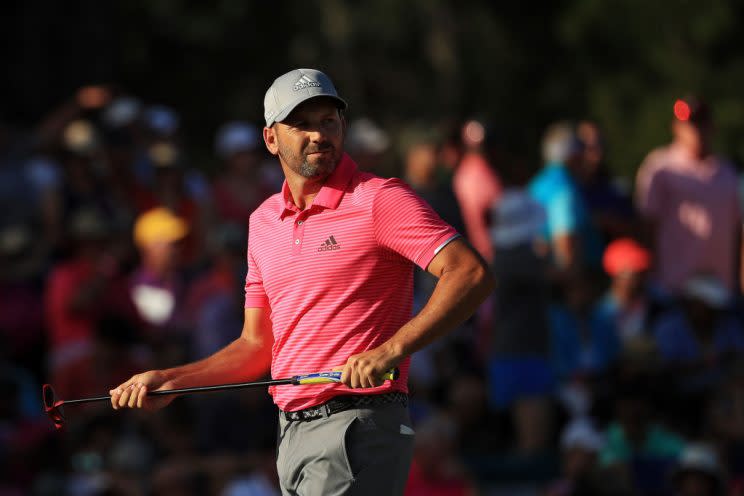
(521, 66)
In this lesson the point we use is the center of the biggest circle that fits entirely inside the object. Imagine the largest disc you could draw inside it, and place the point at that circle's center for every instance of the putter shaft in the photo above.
(298, 380)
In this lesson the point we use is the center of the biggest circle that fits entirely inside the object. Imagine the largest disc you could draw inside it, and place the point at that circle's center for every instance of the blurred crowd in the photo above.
(607, 361)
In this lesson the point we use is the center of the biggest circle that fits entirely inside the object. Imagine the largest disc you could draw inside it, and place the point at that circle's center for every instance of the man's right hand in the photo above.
(133, 393)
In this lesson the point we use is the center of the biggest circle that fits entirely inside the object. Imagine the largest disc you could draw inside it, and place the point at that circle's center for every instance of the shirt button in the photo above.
(297, 241)
(299, 222)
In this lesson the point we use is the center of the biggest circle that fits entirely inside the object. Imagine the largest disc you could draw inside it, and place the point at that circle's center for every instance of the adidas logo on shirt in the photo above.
(329, 244)
(305, 82)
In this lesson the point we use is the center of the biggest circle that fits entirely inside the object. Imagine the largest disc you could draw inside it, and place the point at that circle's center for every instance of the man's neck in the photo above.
(695, 153)
(303, 189)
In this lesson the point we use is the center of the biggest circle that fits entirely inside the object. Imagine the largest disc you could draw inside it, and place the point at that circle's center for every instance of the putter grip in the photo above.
(335, 376)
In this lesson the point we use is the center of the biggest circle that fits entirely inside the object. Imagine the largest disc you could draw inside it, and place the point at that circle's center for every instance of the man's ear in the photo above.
(269, 136)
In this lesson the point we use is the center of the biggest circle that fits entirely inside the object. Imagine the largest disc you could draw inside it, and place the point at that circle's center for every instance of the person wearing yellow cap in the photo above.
(155, 287)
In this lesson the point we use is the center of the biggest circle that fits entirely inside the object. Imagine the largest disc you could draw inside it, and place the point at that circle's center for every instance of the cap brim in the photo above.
(341, 103)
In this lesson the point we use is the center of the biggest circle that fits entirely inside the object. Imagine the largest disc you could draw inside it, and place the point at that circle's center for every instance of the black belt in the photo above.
(341, 403)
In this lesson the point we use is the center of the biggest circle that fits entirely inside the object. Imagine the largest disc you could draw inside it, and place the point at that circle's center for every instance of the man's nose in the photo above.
(317, 135)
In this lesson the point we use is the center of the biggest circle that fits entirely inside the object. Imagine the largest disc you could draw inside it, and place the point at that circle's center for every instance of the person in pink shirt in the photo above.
(477, 188)
(330, 271)
(688, 196)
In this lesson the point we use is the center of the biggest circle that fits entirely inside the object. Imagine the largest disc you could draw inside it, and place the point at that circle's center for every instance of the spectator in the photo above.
(21, 432)
(435, 470)
(78, 291)
(580, 447)
(123, 113)
(83, 185)
(126, 191)
(583, 347)
(624, 308)
(519, 371)
(689, 198)
(214, 303)
(726, 420)
(420, 171)
(477, 428)
(700, 331)
(169, 192)
(113, 357)
(610, 206)
(156, 287)
(367, 144)
(699, 473)
(568, 228)
(240, 187)
(636, 444)
(476, 186)
(694, 341)
(162, 124)
(21, 303)
(420, 168)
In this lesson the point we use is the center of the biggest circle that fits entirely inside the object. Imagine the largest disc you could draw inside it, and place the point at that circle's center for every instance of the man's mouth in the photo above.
(320, 152)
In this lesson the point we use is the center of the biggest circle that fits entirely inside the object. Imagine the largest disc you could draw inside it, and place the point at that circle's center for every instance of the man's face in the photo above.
(591, 137)
(310, 140)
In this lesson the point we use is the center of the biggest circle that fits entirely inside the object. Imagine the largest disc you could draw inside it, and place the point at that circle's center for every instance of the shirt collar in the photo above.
(330, 193)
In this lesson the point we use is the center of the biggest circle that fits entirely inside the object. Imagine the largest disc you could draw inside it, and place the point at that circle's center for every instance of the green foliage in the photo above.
(621, 62)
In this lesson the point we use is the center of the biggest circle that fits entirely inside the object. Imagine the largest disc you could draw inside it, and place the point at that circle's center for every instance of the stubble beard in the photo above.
(320, 169)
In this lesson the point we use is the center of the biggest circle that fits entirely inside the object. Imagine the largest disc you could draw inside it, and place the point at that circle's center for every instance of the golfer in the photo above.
(330, 272)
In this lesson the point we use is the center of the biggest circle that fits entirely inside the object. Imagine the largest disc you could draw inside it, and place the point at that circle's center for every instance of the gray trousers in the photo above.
(355, 452)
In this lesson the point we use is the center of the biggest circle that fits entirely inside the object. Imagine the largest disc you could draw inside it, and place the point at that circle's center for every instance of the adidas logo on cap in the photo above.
(305, 82)
(329, 244)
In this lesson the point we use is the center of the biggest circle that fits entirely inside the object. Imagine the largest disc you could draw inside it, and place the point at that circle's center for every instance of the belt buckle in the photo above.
(310, 414)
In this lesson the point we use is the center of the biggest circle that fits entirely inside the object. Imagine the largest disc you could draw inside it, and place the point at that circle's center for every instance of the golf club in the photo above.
(53, 405)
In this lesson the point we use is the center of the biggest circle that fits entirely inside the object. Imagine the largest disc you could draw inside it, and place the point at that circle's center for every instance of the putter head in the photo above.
(52, 406)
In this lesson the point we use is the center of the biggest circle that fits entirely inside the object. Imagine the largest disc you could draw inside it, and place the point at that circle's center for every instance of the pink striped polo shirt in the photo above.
(338, 276)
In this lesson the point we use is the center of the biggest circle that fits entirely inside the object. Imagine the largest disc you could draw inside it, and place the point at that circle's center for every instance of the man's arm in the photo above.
(225, 366)
(565, 250)
(464, 283)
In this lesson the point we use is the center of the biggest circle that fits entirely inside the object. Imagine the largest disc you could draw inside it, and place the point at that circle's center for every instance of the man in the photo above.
(568, 230)
(610, 206)
(699, 472)
(689, 198)
(241, 185)
(476, 186)
(156, 286)
(330, 270)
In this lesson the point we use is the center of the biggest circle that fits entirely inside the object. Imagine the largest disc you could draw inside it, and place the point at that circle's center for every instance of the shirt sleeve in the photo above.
(407, 225)
(255, 296)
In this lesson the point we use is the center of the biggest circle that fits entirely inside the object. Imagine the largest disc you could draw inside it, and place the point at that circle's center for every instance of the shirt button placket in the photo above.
(298, 231)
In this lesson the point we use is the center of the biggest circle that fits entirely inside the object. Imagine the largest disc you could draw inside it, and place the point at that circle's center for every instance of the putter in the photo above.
(53, 405)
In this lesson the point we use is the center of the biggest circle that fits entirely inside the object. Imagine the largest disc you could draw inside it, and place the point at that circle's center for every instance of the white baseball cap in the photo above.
(234, 137)
(291, 89)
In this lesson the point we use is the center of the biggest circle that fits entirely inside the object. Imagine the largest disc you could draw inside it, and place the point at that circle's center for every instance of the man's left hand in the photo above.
(366, 370)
